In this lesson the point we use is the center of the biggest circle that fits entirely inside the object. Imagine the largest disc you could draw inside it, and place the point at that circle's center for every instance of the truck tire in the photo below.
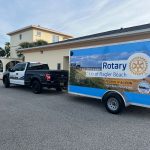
(36, 87)
(58, 89)
(114, 103)
(6, 82)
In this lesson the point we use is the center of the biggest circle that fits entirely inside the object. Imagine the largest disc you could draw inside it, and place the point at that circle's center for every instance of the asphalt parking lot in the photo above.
(59, 121)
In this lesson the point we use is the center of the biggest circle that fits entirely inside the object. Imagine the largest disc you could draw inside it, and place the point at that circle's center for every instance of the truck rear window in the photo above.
(35, 66)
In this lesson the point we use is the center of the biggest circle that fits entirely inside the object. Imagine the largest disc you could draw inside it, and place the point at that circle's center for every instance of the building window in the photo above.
(38, 33)
(59, 66)
(20, 36)
(55, 38)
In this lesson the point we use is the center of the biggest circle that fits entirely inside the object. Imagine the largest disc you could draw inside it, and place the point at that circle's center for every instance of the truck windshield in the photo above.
(38, 66)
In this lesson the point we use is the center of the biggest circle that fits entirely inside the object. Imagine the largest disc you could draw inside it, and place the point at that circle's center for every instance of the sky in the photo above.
(75, 17)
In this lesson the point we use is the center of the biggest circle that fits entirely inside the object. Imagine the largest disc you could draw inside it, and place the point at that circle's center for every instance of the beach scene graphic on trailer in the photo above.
(124, 67)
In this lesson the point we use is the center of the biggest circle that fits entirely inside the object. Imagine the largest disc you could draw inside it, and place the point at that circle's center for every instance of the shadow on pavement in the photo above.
(28, 89)
(129, 111)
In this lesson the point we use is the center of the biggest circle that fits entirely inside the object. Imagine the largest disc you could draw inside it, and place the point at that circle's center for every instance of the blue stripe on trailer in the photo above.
(95, 92)
(131, 98)
(137, 98)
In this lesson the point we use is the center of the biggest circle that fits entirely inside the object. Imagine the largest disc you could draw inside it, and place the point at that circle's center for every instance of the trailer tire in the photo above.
(6, 82)
(36, 87)
(114, 103)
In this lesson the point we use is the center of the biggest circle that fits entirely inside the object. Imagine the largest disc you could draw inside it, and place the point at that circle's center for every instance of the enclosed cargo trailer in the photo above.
(117, 74)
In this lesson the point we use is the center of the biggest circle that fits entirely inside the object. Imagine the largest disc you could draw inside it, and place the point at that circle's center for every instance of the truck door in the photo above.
(17, 75)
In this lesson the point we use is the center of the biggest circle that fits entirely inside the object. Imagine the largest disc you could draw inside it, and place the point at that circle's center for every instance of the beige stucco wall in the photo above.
(47, 36)
(31, 36)
(52, 58)
(27, 36)
(44, 36)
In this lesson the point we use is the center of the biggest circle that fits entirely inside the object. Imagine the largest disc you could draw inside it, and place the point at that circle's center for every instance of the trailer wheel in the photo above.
(36, 87)
(114, 103)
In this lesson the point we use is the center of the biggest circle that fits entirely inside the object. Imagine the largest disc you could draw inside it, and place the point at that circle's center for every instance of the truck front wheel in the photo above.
(6, 82)
(114, 103)
(36, 87)
(58, 89)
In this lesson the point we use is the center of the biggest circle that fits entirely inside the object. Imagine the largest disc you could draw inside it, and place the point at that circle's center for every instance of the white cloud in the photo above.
(124, 14)
(80, 17)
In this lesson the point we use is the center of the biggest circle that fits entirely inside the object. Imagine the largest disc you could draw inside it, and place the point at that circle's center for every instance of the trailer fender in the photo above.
(115, 92)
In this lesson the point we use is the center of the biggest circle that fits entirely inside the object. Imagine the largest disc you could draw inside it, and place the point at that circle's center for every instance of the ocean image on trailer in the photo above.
(107, 68)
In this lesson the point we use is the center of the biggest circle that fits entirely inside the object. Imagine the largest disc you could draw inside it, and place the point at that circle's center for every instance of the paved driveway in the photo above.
(53, 121)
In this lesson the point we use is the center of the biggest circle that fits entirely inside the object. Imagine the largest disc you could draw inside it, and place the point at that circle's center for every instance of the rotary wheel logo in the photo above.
(138, 65)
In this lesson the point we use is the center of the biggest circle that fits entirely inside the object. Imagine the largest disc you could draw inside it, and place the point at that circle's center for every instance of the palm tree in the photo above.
(5, 52)
(7, 49)
(2, 52)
